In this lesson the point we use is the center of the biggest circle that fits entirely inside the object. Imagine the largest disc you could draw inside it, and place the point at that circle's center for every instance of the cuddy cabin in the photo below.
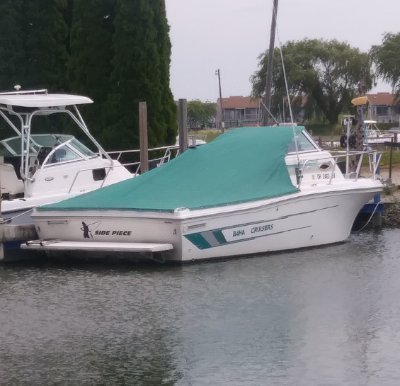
(57, 164)
(39, 167)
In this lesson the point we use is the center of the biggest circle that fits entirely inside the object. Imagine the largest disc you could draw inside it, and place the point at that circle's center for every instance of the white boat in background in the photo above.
(39, 169)
(373, 135)
(251, 190)
(193, 140)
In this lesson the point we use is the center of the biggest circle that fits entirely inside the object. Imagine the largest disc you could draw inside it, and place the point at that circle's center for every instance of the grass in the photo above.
(385, 160)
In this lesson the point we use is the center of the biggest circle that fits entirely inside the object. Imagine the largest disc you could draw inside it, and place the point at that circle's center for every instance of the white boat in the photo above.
(193, 140)
(251, 190)
(374, 135)
(39, 169)
(371, 133)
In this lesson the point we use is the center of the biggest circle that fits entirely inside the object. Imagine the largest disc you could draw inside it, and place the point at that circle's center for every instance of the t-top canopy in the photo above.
(245, 164)
(43, 100)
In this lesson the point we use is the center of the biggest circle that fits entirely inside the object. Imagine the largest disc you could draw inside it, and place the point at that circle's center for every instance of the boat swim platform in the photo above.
(95, 246)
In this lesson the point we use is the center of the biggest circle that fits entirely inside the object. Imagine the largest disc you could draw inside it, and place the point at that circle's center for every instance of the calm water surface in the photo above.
(328, 316)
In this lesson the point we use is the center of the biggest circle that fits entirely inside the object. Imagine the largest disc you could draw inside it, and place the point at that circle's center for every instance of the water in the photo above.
(327, 316)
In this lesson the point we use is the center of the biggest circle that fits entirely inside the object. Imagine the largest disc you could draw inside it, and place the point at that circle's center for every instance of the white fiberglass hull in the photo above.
(18, 210)
(304, 219)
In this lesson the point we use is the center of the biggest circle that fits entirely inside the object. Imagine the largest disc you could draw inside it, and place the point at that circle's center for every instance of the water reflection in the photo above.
(319, 316)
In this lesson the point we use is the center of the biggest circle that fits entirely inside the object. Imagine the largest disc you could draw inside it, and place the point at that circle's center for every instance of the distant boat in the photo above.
(374, 135)
(251, 190)
(193, 140)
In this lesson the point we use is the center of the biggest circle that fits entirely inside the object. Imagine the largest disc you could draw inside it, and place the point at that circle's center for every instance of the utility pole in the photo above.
(221, 123)
(268, 81)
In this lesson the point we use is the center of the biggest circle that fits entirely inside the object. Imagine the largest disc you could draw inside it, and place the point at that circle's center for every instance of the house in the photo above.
(238, 111)
(383, 107)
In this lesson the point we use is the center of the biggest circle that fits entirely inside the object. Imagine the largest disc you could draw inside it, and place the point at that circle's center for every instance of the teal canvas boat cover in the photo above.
(244, 164)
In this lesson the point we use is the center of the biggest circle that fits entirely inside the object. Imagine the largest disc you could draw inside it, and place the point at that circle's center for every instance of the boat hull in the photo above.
(295, 221)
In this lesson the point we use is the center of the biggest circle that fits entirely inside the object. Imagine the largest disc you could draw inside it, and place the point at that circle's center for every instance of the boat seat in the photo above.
(43, 152)
(9, 181)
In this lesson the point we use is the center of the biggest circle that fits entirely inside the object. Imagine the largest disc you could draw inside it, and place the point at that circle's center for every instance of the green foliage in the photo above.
(322, 75)
(32, 44)
(322, 129)
(200, 114)
(115, 51)
(12, 38)
(168, 111)
(45, 44)
(91, 34)
(385, 159)
(387, 60)
(140, 73)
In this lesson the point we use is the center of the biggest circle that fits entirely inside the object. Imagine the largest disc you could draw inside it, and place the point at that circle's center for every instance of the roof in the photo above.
(382, 99)
(244, 164)
(240, 102)
(43, 100)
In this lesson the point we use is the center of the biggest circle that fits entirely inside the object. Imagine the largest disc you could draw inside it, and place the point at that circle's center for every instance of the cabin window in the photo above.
(303, 143)
(99, 174)
(82, 148)
(63, 154)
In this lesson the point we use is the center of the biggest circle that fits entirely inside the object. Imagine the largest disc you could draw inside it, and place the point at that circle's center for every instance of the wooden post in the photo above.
(183, 134)
(391, 159)
(143, 138)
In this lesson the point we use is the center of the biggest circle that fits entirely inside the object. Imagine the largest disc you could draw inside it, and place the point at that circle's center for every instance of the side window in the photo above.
(63, 154)
(303, 144)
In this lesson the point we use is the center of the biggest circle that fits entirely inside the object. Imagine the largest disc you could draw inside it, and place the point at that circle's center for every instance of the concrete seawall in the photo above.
(10, 233)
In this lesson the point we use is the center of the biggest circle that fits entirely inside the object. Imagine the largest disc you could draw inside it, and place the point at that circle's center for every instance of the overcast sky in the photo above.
(231, 34)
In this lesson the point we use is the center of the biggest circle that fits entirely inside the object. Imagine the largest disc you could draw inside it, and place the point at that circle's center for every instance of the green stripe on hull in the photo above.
(198, 240)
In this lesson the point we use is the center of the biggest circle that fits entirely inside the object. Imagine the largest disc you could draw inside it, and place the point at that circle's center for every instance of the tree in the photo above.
(140, 73)
(326, 74)
(12, 40)
(200, 114)
(115, 51)
(168, 107)
(91, 53)
(387, 60)
(46, 54)
(32, 44)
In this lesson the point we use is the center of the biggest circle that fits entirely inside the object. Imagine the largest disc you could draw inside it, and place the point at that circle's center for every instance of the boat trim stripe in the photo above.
(215, 238)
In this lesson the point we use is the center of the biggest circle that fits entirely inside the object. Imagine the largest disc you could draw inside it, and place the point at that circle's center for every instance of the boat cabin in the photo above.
(41, 167)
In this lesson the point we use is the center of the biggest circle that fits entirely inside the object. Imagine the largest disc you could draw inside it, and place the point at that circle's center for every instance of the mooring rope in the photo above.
(370, 218)
(8, 220)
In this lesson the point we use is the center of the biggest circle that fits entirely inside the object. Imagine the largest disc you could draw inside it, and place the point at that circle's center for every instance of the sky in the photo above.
(230, 35)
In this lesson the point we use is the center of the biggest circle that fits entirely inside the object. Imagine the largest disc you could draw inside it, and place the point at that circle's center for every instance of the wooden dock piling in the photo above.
(143, 138)
(182, 123)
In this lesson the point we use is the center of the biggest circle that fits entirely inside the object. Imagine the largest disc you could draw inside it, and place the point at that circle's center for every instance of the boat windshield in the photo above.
(70, 150)
(12, 146)
(82, 148)
(304, 143)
